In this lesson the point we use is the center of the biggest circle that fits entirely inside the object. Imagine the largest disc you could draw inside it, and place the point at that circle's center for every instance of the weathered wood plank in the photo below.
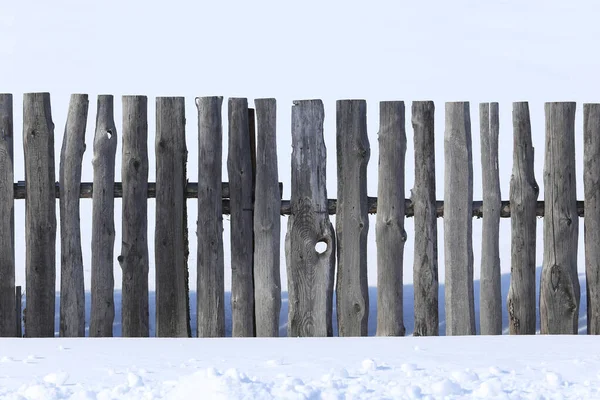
(134, 248)
(169, 239)
(211, 269)
(7, 219)
(102, 313)
(310, 240)
(425, 269)
(559, 288)
(458, 236)
(72, 294)
(389, 228)
(352, 219)
(239, 168)
(490, 298)
(40, 214)
(591, 183)
(267, 222)
(521, 301)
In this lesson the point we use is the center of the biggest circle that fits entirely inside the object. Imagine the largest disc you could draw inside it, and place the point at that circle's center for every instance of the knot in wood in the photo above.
(555, 277)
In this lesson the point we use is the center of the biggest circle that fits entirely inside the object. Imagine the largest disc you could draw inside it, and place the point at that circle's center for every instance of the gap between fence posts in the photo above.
(134, 248)
(7, 219)
(40, 215)
(389, 226)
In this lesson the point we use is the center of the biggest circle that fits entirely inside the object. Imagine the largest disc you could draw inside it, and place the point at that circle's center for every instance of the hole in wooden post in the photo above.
(321, 247)
(109, 133)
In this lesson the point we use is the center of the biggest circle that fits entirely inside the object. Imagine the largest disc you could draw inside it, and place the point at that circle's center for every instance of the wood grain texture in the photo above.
(239, 168)
(169, 238)
(267, 222)
(7, 219)
(490, 298)
(352, 219)
(134, 248)
(591, 184)
(559, 288)
(425, 269)
(521, 301)
(72, 294)
(389, 228)
(211, 269)
(310, 272)
(102, 313)
(458, 231)
(40, 214)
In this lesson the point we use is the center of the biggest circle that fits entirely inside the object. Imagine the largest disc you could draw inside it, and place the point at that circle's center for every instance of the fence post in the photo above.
(210, 280)
(102, 313)
(40, 214)
(267, 222)
(425, 270)
(7, 218)
(352, 218)
(310, 240)
(134, 249)
(490, 318)
(239, 168)
(559, 288)
(458, 220)
(591, 177)
(521, 301)
(72, 295)
(389, 228)
(169, 246)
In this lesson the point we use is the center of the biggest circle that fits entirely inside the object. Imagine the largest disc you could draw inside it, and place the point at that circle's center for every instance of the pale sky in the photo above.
(504, 50)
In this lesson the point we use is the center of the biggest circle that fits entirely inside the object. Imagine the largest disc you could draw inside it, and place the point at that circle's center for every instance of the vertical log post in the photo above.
(7, 219)
(40, 214)
(458, 215)
(591, 179)
(169, 246)
(210, 280)
(134, 249)
(239, 168)
(425, 269)
(72, 294)
(310, 240)
(559, 289)
(490, 298)
(352, 218)
(389, 228)
(521, 302)
(267, 222)
(102, 313)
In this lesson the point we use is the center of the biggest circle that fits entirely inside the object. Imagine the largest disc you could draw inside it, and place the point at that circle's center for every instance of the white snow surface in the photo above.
(501, 367)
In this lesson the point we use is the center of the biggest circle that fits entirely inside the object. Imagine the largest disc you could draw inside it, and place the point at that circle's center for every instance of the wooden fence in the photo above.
(252, 197)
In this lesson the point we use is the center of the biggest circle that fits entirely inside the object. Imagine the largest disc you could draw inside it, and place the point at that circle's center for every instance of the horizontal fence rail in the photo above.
(323, 261)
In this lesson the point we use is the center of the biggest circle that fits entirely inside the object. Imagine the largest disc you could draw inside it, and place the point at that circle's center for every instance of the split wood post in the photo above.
(458, 220)
(7, 219)
(389, 227)
(310, 267)
(18, 314)
(210, 280)
(352, 218)
(72, 294)
(134, 249)
(239, 168)
(490, 298)
(40, 214)
(102, 313)
(267, 222)
(559, 288)
(169, 240)
(521, 301)
(591, 178)
(425, 269)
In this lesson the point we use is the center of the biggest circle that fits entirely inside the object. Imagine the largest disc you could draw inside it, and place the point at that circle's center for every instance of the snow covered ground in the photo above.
(557, 367)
